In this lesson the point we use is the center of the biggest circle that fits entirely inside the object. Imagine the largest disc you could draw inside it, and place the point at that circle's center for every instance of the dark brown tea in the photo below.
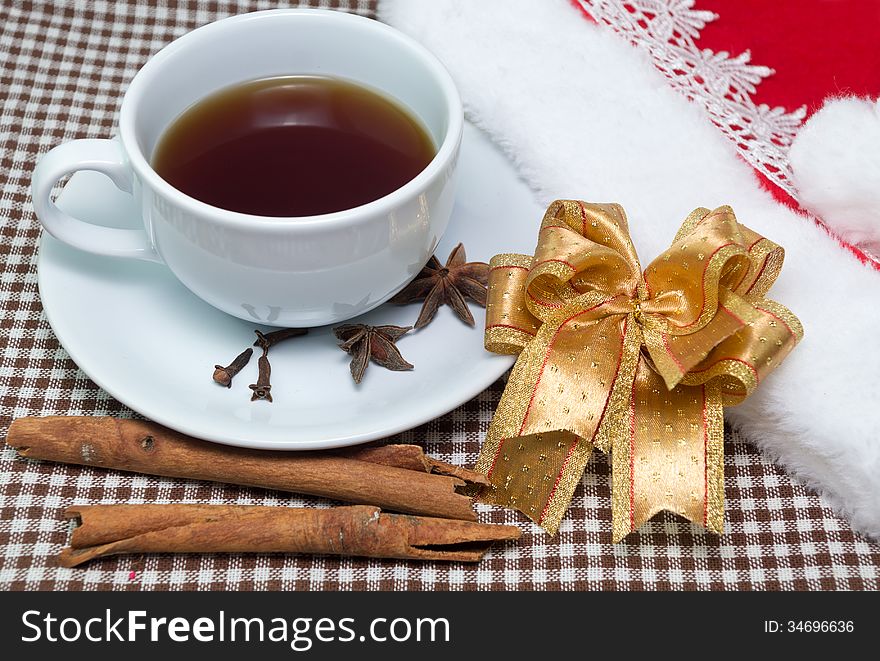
(292, 146)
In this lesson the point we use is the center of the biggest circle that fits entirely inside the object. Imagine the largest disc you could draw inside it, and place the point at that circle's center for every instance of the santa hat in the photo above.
(835, 162)
(606, 103)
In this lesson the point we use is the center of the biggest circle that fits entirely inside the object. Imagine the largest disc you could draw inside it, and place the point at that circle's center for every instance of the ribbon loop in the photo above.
(509, 324)
(584, 256)
(635, 364)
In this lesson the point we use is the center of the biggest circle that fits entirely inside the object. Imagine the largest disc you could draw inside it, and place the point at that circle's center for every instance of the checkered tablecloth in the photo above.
(63, 67)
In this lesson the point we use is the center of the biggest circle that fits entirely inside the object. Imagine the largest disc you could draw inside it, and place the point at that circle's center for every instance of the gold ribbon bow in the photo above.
(639, 365)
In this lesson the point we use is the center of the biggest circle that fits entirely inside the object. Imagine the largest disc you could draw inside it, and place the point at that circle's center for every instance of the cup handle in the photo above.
(103, 156)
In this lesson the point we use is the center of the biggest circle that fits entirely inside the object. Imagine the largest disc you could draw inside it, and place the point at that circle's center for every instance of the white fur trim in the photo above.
(836, 164)
(582, 114)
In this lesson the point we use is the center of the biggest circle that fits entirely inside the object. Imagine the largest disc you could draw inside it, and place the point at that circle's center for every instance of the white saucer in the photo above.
(150, 343)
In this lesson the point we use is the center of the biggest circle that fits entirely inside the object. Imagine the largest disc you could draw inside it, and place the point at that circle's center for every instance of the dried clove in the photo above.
(262, 388)
(266, 340)
(223, 375)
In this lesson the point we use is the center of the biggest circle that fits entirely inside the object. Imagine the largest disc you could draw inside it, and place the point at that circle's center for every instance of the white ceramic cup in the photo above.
(304, 271)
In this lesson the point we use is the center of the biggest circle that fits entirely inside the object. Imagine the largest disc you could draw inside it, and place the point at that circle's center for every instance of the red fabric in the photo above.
(818, 48)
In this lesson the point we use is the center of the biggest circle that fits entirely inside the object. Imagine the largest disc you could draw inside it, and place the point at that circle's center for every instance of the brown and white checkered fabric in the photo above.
(64, 67)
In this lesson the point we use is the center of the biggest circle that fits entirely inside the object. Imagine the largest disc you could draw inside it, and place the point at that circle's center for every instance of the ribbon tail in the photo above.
(671, 456)
(535, 473)
(543, 431)
(543, 490)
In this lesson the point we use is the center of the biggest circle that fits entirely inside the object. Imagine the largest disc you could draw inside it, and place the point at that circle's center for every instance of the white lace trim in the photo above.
(723, 85)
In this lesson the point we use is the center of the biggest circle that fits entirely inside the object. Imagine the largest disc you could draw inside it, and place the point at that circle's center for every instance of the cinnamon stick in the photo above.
(413, 457)
(357, 530)
(146, 447)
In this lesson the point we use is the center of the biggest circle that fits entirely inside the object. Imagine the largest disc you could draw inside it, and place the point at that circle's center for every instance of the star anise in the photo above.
(376, 343)
(447, 285)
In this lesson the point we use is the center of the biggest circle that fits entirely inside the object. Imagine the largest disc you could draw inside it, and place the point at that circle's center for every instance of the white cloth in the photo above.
(582, 114)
